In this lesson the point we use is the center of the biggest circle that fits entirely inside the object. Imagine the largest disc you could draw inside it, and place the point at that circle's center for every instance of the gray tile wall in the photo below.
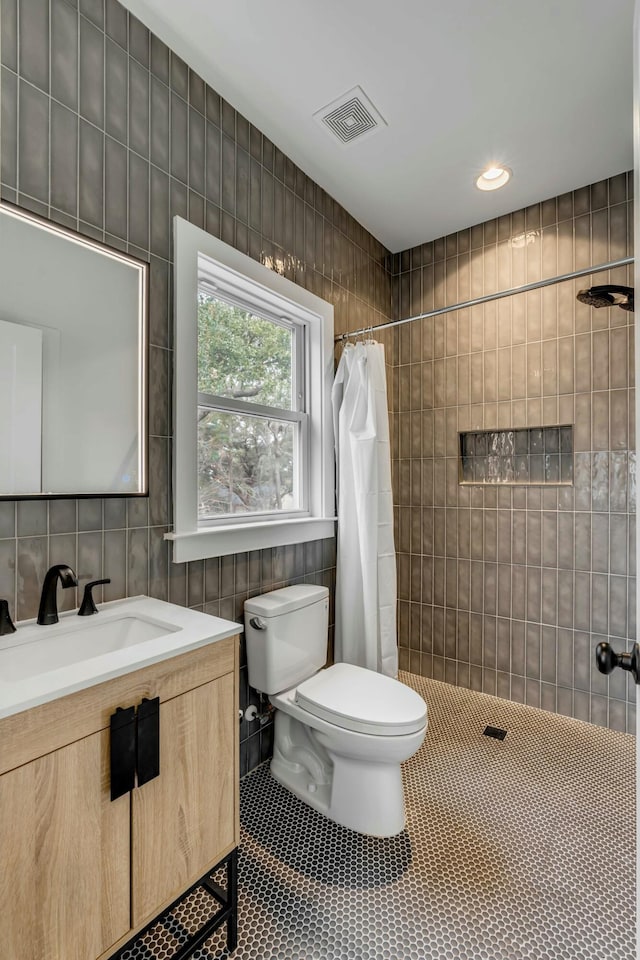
(509, 590)
(105, 130)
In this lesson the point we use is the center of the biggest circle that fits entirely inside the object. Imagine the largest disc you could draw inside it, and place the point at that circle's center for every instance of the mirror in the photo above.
(73, 363)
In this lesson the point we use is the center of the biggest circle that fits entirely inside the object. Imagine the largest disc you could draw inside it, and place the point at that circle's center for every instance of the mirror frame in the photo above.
(143, 268)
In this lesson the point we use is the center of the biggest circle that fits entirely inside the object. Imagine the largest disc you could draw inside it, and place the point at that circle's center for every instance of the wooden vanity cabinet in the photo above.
(64, 876)
(81, 874)
(183, 821)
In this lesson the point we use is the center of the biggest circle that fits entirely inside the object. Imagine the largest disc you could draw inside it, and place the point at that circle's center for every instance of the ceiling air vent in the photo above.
(350, 117)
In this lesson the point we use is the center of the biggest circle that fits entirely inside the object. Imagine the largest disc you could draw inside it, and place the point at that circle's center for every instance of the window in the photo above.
(252, 420)
(253, 442)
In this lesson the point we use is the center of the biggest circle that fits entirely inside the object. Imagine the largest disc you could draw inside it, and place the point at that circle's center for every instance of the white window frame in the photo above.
(245, 280)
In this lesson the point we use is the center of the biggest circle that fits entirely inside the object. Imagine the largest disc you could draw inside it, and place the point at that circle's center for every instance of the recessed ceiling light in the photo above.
(493, 178)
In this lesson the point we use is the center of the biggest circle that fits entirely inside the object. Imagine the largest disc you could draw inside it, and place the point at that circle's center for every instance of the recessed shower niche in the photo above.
(535, 455)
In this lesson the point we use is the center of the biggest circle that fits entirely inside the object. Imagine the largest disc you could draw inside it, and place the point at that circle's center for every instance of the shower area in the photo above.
(513, 456)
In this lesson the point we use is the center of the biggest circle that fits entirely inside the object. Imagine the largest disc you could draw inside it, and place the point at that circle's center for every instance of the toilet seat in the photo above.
(361, 700)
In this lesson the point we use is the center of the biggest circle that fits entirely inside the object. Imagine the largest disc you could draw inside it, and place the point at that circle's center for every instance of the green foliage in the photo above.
(240, 354)
(245, 463)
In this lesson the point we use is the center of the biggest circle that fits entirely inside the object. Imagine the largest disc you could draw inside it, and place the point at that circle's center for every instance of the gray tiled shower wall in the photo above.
(105, 130)
(507, 589)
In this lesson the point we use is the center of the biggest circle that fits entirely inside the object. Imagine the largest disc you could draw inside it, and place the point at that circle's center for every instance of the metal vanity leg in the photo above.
(232, 901)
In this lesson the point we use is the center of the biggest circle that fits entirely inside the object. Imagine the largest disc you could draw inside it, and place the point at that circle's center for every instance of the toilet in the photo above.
(341, 732)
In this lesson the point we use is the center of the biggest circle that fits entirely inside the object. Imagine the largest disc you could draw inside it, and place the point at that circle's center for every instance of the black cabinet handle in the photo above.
(148, 740)
(122, 751)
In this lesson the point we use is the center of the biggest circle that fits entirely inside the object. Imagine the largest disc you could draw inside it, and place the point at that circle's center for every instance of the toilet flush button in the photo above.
(312, 788)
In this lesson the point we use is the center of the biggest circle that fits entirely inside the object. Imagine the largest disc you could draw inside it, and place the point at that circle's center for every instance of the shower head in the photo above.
(610, 295)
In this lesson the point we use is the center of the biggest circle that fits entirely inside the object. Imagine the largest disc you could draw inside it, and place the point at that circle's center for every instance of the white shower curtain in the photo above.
(365, 632)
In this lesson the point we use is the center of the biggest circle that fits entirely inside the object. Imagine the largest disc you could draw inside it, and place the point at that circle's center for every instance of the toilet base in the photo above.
(363, 795)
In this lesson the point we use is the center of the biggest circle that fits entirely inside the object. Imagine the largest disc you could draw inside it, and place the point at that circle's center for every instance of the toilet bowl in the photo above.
(341, 732)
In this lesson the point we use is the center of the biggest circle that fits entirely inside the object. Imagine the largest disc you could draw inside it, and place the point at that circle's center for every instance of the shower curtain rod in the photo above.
(500, 295)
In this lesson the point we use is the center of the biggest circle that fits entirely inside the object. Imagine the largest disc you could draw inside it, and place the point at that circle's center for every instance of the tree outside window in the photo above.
(248, 424)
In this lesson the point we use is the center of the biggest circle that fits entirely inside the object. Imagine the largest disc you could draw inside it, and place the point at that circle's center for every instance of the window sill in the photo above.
(238, 538)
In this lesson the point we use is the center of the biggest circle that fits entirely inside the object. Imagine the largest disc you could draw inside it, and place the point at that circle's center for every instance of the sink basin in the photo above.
(85, 642)
(39, 664)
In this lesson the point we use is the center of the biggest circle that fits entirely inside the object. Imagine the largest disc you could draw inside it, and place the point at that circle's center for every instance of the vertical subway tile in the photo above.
(137, 561)
(158, 564)
(179, 138)
(618, 607)
(139, 41)
(33, 171)
(213, 164)
(138, 201)
(534, 594)
(31, 518)
(178, 199)
(116, 100)
(228, 175)
(64, 159)
(158, 293)
(160, 223)
(33, 38)
(599, 603)
(196, 151)
(197, 92)
(89, 558)
(64, 53)
(212, 580)
(90, 514)
(114, 513)
(159, 471)
(159, 123)
(9, 34)
(158, 392)
(9, 125)
(91, 172)
(138, 108)
(7, 519)
(116, 189)
(91, 73)
(159, 57)
(179, 76)
(116, 22)
(115, 564)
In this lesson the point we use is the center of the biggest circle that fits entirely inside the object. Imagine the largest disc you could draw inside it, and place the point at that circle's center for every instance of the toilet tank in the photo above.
(286, 636)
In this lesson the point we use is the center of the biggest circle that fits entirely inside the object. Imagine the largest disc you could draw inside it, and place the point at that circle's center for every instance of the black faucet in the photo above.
(88, 605)
(6, 623)
(48, 611)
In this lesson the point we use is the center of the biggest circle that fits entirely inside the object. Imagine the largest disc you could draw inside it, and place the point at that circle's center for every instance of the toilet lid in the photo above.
(362, 700)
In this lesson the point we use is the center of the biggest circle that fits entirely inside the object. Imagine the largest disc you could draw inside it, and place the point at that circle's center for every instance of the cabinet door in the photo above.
(185, 818)
(64, 855)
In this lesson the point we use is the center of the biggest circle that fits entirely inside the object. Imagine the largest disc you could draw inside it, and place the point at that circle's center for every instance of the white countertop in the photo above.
(30, 671)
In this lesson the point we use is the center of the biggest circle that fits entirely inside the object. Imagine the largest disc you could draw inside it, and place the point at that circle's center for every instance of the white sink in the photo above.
(43, 663)
(86, 641)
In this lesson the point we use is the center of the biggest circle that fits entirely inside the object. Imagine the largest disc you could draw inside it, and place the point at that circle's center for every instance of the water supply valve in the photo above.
(607, 660)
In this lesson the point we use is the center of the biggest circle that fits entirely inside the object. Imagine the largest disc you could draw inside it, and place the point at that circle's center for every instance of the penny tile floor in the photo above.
(521, 849)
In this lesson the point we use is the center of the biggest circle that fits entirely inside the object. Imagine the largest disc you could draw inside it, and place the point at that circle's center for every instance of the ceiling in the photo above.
(544, 87)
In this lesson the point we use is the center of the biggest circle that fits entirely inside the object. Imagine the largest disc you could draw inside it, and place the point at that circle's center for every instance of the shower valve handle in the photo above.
(607, 660)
